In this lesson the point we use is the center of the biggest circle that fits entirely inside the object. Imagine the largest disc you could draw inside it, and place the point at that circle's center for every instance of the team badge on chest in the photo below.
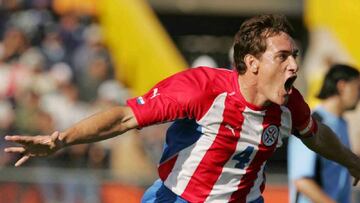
(270, 135)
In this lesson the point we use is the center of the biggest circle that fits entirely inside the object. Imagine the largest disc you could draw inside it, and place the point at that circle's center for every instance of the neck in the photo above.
(249, 89)
(333, 105)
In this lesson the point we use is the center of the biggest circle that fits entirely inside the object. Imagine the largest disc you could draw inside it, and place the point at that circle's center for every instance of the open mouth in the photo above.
(289, 83)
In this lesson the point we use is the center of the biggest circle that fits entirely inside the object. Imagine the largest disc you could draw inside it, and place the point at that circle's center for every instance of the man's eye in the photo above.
(282, 57)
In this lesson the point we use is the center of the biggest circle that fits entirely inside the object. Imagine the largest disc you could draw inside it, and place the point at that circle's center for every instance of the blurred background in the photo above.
(63, 60)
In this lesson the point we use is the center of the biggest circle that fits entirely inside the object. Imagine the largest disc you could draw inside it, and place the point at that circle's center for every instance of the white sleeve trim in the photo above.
(308, 127)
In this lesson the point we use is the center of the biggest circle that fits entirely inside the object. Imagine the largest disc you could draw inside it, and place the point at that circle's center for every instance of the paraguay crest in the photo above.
(270, 135)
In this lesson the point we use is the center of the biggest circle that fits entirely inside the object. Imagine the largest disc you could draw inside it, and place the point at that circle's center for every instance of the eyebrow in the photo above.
(294, 52)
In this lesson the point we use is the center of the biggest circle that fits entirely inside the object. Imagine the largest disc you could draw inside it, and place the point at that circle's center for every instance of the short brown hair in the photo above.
(252, 35)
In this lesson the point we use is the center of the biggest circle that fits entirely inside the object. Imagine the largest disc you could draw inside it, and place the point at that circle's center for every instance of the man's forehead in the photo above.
(281, 42)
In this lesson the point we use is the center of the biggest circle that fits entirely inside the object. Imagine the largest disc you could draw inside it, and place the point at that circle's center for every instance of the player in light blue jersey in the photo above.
(313, 178)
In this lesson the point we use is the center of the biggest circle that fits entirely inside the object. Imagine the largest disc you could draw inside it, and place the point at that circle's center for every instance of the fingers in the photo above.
(22, 160)
(54, 135)
(18, 150)
(44, 139)
(15, 149)
(20, 139)
(11, 138)
(356, 180)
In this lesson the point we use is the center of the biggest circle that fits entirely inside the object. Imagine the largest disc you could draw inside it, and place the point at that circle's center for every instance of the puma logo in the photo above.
(230, 128)
(155, 93)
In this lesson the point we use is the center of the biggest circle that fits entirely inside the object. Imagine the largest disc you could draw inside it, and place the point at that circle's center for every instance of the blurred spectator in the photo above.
(112, 92)
(53, 48)
(30, 118)
(322, 180)
(7, 119)
(204, 60)
(70, 30)
(93, 47)
(64, 105)
(130, 161)
(33, 20)
(97, 72)
(33, 61)
(61, 73)
(13, 45)
(12, 79)
(56, 69)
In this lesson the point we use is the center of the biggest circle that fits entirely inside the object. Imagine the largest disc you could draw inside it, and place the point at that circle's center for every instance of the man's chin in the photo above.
(351, 108)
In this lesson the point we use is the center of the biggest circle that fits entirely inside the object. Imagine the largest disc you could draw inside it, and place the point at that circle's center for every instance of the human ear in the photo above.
(340, 85)
(252, 63)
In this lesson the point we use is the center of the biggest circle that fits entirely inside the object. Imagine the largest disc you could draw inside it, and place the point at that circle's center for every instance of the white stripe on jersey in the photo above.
(255, 190)
(285, 129)
(190, 157)
(286, 125)
(250, 135)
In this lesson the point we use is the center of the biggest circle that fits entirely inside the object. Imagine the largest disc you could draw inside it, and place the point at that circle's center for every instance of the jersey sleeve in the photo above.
(303, 124)
(180, 96)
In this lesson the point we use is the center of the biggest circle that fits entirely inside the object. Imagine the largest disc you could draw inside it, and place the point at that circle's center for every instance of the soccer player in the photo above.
(227, 122)
(321, 180)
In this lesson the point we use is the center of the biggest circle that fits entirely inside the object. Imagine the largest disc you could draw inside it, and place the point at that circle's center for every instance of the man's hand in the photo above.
(33, 146)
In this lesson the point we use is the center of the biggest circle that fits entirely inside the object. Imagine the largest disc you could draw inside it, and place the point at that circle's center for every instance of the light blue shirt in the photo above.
(302, 162)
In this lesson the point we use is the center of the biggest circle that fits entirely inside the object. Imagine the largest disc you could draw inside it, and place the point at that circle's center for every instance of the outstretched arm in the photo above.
(327, 145)
(100, 126)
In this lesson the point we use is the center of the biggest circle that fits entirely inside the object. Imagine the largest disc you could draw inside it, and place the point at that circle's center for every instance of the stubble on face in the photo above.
(276, 68)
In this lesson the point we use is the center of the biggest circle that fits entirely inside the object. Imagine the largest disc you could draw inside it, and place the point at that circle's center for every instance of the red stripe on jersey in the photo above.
(221, 150)
(165, 168)
(272, 117)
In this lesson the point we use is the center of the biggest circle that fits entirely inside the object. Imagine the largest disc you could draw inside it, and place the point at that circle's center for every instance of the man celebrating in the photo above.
(227, 123)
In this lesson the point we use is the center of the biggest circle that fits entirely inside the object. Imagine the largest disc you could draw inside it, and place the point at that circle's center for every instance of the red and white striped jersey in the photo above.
(218, 145)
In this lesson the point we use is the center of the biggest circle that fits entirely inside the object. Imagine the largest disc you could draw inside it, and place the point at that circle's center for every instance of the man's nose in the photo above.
(293, 66)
